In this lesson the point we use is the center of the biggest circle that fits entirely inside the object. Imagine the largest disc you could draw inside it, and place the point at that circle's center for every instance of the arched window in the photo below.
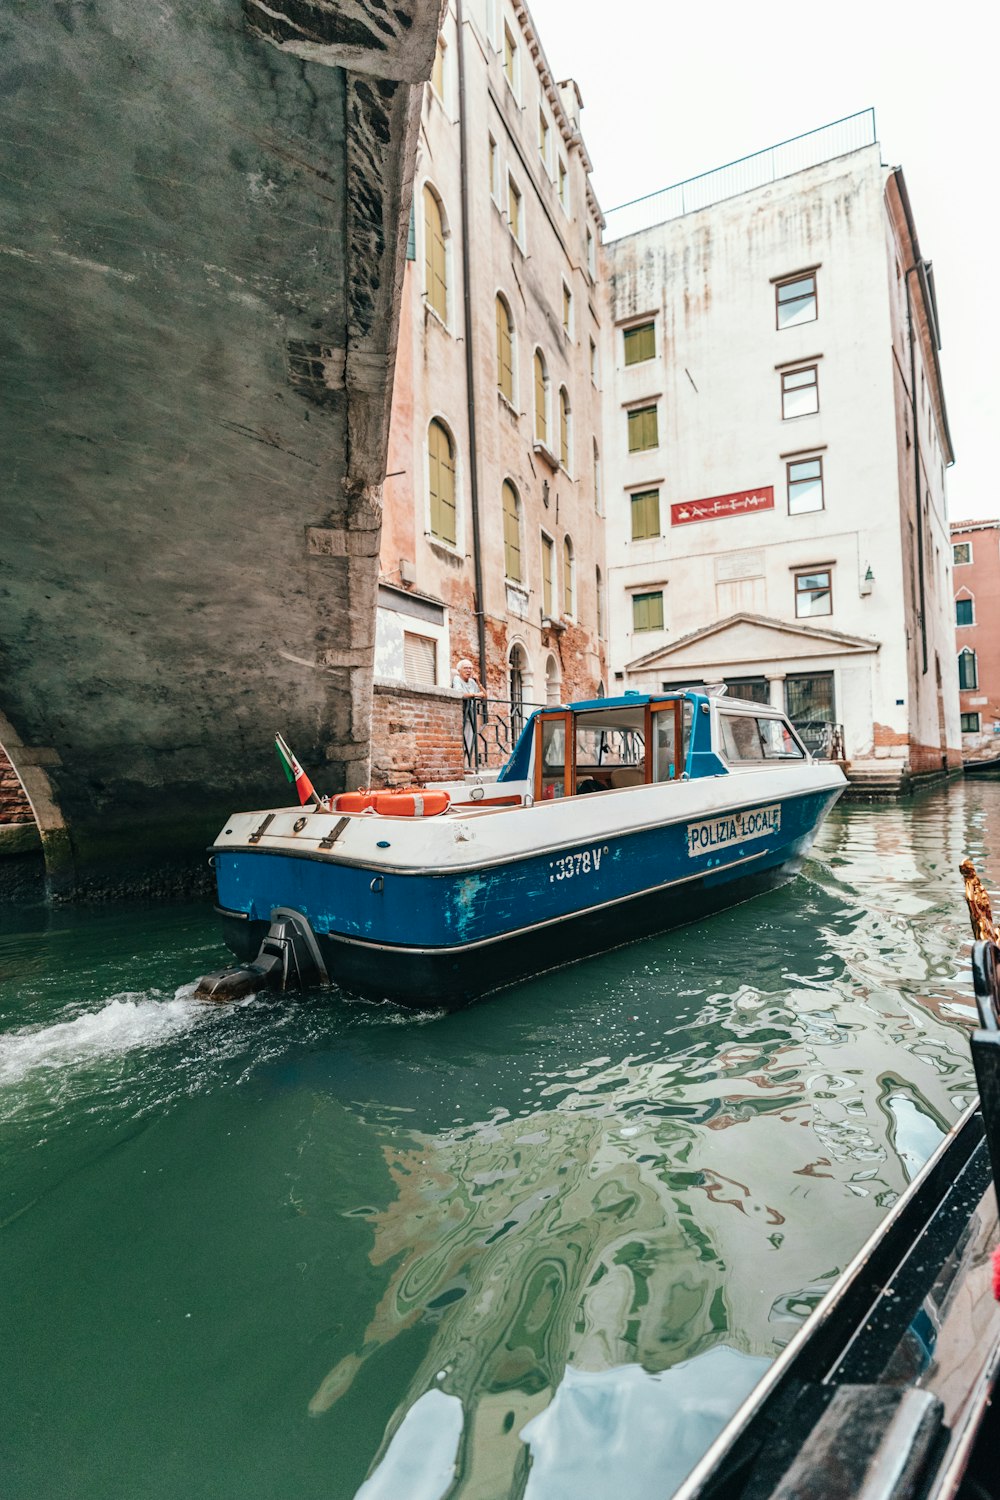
(569, 578)
(553, 681)
(541, 399)
(505, 351)
(441, 482)
(600, 605)
(435, 255)
(564, 428)
(511, 533)
(519, 686)
(968, 671)
(598, 497)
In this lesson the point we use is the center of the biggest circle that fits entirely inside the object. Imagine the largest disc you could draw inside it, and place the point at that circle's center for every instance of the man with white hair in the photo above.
(465, 679)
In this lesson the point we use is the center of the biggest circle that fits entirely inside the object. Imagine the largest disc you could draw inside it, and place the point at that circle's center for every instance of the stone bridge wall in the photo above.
(202, 235)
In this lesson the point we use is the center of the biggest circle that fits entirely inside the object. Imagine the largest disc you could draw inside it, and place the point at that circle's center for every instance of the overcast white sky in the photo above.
(671, 90)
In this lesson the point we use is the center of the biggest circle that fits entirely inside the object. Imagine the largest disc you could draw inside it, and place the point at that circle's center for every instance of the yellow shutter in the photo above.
(541, 420)
(640, 343)
(547, 571)
(505, 351)
(435, 261)
(567, 576)
(441, 483)
(564, 430)
(511, 534)
(437, 72)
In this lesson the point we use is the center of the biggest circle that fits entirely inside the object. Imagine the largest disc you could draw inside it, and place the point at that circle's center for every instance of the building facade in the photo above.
(776, 443)
(975, 549)
(492, 539)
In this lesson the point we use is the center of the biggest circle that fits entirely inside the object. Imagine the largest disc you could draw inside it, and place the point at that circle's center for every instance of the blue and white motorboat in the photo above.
(613, 819)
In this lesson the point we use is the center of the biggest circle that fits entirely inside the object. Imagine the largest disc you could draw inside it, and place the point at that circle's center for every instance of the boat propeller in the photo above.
(288, 959)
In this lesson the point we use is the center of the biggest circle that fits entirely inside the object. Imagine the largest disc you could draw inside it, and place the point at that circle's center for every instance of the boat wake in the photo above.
(128, 1022)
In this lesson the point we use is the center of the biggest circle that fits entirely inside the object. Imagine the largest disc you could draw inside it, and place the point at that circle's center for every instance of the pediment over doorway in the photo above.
(748, 640)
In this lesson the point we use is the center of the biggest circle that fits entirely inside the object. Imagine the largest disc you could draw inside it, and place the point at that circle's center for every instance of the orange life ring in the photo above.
(353, 802)
(411, 802)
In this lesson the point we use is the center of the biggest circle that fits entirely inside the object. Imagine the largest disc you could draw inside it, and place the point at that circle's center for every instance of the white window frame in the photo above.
(954, 561)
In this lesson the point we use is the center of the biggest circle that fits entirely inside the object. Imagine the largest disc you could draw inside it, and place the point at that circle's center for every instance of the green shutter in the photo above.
(640, 343)
(647, 611)
(643, 429)
(645, 515)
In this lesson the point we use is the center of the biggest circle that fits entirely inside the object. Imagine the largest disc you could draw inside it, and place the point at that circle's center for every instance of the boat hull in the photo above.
(440, 939)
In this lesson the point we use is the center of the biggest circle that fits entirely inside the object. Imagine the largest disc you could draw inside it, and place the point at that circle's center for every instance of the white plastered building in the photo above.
(776, 443)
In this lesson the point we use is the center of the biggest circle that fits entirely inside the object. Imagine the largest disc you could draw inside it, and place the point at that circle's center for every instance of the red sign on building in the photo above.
(743, 503)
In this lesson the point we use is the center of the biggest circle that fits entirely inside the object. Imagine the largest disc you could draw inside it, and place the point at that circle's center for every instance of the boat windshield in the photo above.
(746, 737)
(604, 750)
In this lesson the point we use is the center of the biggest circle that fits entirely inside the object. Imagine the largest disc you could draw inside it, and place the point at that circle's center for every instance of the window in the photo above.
(747, 738)
(514, 209)
(512, 533)
(548, 576)
(505, 351)
(593, 362)
(968, 670)
(961, 553)
(569, 579)
(435, 256)
(963, 612)
(805, 485)
(647, 611)
(640, 343)
(494, 172)
(441, 482)
(749, 689)
(567, 310)
(813, 594)
(438, 71)
(645, 514)
(541, 400)
(591, 256)
(643, 431)
(564, 428)
(420, 659)
(599, 583)
(510, 65)
(543, 139)
(598, 497)
(799, 392)
(808, 699)
(970, 723)
(795, 301)
(563, 185)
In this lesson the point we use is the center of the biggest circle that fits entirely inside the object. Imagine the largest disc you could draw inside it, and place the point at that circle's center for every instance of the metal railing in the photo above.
(490, 727)
(852, 133)
(824, 740)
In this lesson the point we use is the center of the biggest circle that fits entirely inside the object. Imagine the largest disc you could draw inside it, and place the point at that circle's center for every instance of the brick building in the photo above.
(492, 538)
(975, 548)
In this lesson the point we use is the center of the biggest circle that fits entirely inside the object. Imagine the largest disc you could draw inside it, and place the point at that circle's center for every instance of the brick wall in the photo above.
(416, 735)
(14, 805)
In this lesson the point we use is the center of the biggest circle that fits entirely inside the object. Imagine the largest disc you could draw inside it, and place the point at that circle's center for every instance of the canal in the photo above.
(320, 1248)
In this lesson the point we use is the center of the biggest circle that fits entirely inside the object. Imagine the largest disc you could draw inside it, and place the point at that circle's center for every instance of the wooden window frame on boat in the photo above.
(567, 718)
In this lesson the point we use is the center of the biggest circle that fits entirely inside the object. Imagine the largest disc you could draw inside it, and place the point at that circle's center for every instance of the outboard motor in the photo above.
(288, 958)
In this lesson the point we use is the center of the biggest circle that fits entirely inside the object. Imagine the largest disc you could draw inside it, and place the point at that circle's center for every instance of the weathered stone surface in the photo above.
(202, 227)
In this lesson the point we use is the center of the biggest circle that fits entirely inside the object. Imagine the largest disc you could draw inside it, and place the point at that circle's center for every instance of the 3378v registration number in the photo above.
(583, 862)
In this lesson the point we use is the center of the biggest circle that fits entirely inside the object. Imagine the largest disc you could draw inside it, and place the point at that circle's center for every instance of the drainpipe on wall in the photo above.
(916, 468)
(470, 384)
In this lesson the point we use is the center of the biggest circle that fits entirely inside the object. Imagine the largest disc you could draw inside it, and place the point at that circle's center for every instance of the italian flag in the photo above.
(307, 792)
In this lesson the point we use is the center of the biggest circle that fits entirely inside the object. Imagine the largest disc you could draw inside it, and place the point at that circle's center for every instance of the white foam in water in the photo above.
(128, 1021)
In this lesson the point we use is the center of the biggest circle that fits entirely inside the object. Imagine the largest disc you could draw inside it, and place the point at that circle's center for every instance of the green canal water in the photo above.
(317, 1249)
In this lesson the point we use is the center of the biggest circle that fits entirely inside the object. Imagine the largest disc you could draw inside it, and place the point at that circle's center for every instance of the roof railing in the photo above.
(852, 133)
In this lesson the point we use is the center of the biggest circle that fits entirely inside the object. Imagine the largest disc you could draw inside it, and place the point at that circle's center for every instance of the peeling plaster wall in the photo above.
(202, 229)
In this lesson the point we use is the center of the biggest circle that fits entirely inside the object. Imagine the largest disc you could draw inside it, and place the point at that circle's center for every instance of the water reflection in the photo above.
(487, 1249)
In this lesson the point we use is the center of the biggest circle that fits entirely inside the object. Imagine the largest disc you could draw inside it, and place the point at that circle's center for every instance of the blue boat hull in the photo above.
(439, 939)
